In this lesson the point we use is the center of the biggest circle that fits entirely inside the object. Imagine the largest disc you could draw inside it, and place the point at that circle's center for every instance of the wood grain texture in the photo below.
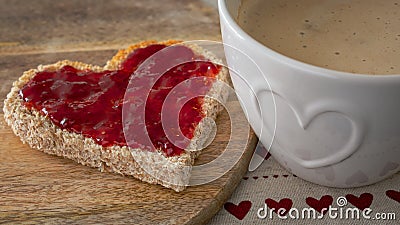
(36, 187)
(75, 25)
(39, 188)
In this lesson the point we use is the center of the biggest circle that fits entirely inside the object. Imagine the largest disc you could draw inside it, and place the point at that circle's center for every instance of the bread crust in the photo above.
(40, 133)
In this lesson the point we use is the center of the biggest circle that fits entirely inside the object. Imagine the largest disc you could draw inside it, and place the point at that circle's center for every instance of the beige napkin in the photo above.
(280, 189)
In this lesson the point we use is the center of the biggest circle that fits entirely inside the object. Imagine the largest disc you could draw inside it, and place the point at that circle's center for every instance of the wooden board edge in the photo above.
(240, 169)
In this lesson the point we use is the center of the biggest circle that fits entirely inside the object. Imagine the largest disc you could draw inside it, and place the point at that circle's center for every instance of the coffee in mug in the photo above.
(356, 36)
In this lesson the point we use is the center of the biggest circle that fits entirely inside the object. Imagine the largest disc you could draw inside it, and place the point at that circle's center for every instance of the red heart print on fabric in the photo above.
(395, 195)
(323, 203)
(278, 207)
(239, 211)
(362, 202)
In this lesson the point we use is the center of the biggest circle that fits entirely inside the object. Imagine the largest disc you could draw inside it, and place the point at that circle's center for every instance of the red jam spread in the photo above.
(91, 103)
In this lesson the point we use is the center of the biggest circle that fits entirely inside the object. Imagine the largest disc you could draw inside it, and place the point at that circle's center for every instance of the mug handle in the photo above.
(313, 111)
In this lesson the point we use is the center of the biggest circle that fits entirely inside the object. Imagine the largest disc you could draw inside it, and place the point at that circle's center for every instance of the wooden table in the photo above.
(37, 188)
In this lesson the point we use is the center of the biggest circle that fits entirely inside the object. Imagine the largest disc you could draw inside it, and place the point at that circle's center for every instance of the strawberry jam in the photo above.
(91, 103)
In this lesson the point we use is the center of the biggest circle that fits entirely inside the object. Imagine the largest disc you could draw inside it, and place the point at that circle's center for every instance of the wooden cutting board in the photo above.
(36, 187)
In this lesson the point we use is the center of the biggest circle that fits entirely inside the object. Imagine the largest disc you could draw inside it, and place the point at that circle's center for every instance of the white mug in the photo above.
(332, 128)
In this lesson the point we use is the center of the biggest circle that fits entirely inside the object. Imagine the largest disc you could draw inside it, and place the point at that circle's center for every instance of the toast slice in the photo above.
(37, 129)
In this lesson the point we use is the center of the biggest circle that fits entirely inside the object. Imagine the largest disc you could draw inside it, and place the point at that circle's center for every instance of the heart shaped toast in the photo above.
(76, 110)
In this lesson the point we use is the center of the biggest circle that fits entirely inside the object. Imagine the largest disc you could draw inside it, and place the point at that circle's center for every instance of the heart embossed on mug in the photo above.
(358, 177)
(389, 167)
(303, 122)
